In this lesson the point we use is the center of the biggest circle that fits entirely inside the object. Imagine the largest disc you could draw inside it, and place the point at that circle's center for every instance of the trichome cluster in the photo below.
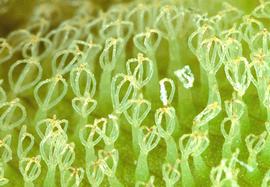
(146, 93)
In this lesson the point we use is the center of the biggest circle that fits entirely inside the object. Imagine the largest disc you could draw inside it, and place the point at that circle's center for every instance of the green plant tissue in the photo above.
(137, 93)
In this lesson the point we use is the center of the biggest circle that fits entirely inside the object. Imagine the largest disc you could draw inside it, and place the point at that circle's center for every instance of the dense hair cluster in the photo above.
(146, 93)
